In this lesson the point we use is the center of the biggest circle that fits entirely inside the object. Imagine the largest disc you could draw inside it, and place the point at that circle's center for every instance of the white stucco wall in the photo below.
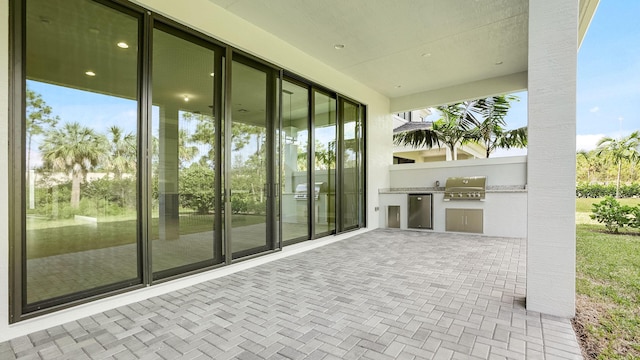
(217, 22)
(499, 171)
(551, 245)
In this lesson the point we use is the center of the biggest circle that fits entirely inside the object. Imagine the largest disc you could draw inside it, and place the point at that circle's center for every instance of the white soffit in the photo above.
(406, 47)
(401, 47)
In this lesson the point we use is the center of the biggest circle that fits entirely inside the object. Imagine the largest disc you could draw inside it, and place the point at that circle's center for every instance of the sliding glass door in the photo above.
(349, 165)
(250, 150)
(296, 196)
(81, 136)
(184, 153)
(324, 163)
(322, 168)
(143, 150)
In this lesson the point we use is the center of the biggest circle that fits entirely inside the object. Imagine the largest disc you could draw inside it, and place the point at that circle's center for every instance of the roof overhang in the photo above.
(416, 53)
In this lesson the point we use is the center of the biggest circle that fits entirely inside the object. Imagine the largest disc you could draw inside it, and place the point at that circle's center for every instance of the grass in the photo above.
(68, 236)
(608, 287)
(583, 205)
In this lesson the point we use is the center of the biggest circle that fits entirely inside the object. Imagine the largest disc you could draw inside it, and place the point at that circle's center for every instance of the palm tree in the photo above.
(490, 132)
(74, 149)
(619, 151)
(39, 119)
(122, 151)
(452, 130)
(479, 121)
(593, 163)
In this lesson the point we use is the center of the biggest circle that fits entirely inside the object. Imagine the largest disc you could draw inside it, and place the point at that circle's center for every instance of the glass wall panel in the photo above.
(295, 174)
(250, 146)
(350, 153)
(324, 163)
(81, 151)
(183, 156)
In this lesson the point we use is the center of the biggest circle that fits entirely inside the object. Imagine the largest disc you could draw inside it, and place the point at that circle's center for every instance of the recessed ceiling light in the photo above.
(426, 55)
(186, 98)
(123, 45)
(89, 73)
(94, 31)
(498, 62)
(211, 74)
(338, 46)
(398, 86)
(45, 20)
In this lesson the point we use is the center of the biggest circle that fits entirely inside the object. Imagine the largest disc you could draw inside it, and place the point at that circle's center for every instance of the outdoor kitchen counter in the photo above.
(504, 208)
(435, 190)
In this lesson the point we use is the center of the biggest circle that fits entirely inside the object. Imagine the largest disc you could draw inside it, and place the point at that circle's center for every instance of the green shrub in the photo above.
(612, 214)
(634, 219)
(239, 203)
(599, 190)
(196, 188)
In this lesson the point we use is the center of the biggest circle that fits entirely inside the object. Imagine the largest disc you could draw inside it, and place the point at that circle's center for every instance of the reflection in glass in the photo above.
(248, 169)
(325, 162)
(81, 137)
(350, 151)
(183, 160)
(295, 194)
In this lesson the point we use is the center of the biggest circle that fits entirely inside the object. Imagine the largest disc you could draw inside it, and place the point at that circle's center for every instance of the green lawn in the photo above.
(607, 286)
(583, 205)
(55, 237)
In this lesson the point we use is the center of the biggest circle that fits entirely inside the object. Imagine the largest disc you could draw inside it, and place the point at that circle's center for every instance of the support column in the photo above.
(168, 151)
(551, 245)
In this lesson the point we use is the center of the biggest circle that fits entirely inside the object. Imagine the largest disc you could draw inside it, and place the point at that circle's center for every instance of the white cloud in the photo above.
(587, 142)
(594, 109)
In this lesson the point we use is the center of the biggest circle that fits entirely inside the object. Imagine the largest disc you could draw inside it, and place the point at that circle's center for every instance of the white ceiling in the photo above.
(401, 47)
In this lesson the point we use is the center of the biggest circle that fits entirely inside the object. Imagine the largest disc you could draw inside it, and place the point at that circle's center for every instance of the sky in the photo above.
(608, 86)
(609, 74)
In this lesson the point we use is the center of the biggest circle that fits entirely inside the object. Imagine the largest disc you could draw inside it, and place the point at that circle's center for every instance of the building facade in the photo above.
(150, 144)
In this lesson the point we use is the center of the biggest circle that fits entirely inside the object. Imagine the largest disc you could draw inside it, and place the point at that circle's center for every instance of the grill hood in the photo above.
(465, 188)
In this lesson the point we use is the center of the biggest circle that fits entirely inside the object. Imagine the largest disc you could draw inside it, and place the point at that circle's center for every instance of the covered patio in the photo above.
(383, 294)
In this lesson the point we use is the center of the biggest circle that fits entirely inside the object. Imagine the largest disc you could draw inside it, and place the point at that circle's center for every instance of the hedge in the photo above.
(600, 191)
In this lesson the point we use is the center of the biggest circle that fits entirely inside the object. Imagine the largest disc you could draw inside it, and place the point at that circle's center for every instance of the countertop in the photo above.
(440, 189)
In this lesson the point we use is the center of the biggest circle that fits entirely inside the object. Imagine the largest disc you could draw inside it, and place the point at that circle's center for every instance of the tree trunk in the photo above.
(618, 181)
(76, 179)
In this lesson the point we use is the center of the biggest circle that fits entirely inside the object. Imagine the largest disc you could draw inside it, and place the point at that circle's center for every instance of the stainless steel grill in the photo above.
(301, 191)
(465, 188)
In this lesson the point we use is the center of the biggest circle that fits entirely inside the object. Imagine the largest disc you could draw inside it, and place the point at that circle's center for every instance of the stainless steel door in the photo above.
(420, 211)
(393, 216)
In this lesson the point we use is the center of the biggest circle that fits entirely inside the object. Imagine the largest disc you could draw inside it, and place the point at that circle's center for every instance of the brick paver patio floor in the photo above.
(383, 294)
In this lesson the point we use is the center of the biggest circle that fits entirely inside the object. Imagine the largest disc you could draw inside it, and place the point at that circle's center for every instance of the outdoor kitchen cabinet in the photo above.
(420, 211)
(464, 220)
(393, 216)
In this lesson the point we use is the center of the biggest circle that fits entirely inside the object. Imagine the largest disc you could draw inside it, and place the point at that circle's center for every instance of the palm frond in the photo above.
(426, 138)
